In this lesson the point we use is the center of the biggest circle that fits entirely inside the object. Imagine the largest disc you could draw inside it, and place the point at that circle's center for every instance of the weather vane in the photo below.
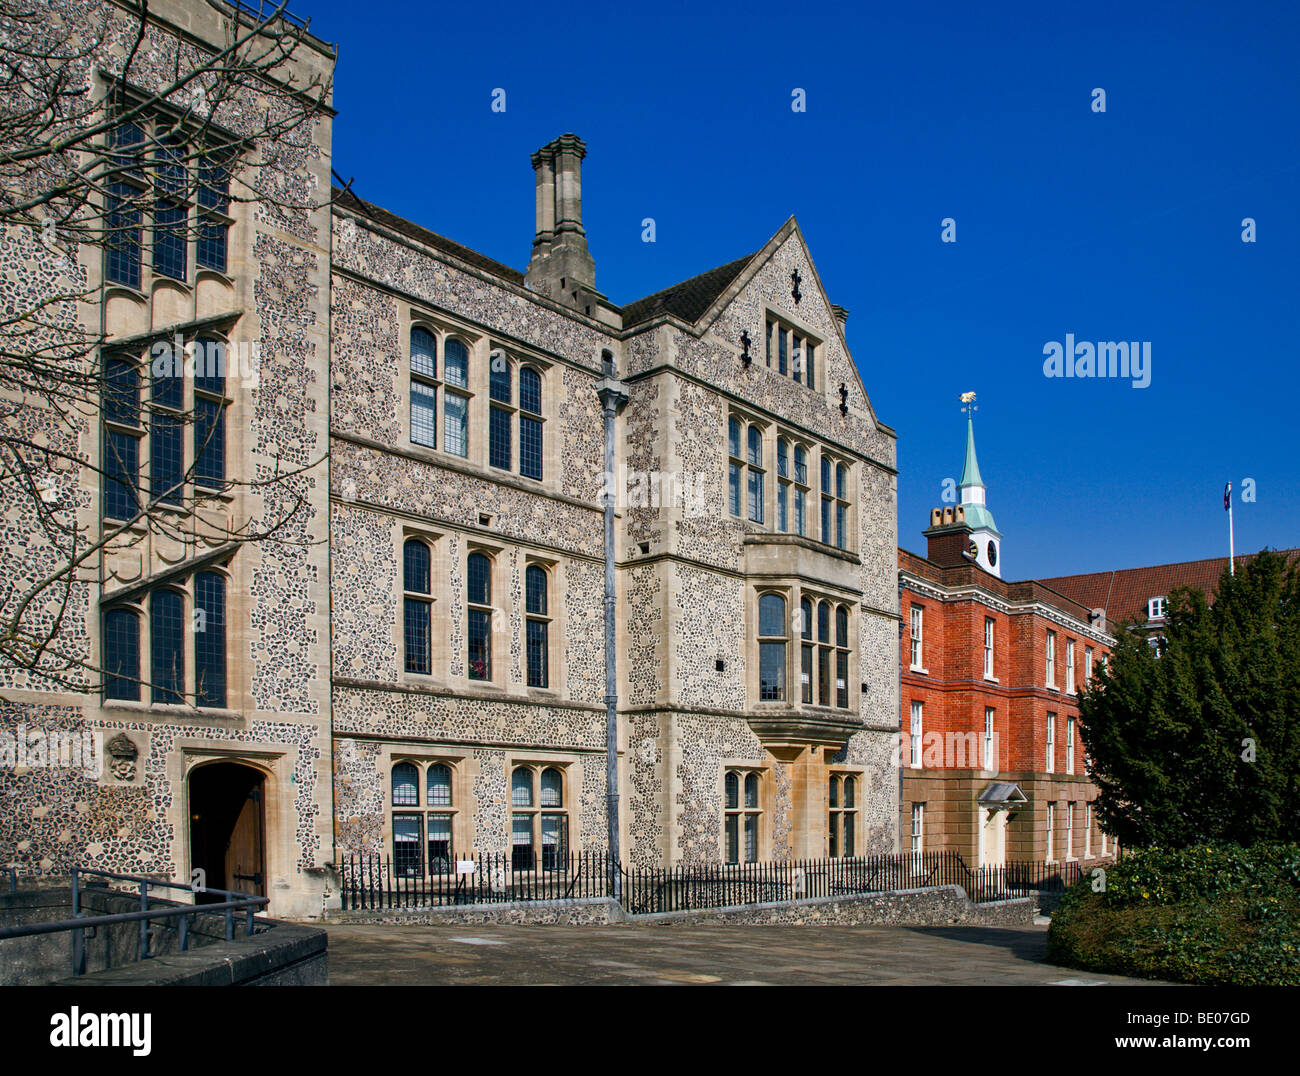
(968, 402)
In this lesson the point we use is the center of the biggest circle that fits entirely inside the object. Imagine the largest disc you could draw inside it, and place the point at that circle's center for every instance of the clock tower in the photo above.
(968, 531)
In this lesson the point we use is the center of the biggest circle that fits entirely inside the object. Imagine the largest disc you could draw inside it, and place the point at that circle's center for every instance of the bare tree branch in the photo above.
(122, 139)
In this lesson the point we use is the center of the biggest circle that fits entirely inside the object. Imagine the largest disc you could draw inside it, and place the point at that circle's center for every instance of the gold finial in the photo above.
(968, 402)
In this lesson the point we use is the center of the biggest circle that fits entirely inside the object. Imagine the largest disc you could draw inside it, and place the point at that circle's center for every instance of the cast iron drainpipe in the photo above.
(613, 397)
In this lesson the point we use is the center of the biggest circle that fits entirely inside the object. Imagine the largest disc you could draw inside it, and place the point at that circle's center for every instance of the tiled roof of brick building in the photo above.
(1124, 592)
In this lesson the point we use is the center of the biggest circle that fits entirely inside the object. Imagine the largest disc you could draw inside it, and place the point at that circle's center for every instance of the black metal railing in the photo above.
(182, 915)
(370, 882)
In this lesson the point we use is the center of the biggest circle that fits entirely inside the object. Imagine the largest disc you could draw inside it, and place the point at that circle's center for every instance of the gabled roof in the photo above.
(1002, 794)
(688, 300)
(1124, 592)
(348, 200)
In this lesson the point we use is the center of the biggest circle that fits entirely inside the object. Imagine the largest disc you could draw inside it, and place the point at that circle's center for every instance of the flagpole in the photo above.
(1227, 496)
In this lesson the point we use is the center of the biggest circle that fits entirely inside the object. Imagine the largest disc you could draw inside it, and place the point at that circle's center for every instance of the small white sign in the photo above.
(464, 866)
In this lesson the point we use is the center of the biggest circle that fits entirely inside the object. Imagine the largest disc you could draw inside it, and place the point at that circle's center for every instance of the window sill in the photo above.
(169, 709)
(126, 289)
(992, 679)
(138, 527)
(549, 486)
(168, 507)
(176, 282)
(757, 533)
(422, 680)
(201, 271)
(780, 706)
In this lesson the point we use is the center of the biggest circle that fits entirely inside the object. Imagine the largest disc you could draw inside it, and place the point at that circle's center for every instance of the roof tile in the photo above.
(1124, 592)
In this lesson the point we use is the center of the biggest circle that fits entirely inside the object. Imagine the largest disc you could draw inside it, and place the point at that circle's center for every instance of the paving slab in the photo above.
(513, 955)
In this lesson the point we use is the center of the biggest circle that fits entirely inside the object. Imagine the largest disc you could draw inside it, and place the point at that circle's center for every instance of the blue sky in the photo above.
(1122, 225)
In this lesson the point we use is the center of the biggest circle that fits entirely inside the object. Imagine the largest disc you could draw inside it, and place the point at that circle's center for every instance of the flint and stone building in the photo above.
(415, 665)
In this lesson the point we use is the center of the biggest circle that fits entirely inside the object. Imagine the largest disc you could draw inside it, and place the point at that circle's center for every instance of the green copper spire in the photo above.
(970, 473)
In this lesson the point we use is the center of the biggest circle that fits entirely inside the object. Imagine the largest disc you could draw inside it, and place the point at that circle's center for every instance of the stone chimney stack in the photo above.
(544, 166)
(561, 266)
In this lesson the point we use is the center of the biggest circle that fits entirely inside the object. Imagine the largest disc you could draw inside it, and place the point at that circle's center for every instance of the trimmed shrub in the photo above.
(1214, 914)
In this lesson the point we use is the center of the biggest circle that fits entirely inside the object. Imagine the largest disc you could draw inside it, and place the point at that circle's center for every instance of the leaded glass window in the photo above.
(210, 639)
(167, 646)
(417, 605)
(538, 626)
(772, 644)
(480, 616)
(122, 654)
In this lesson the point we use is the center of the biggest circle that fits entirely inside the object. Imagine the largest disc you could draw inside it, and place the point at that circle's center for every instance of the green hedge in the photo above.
(1218, 914)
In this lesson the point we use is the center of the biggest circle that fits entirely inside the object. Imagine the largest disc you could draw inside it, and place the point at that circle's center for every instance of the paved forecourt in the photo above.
(501, 955)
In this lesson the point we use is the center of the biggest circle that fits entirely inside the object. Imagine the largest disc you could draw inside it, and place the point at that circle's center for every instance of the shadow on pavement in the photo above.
(1022, 943)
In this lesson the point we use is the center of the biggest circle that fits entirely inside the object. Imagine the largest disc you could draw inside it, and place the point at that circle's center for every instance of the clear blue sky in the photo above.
(1117, 226)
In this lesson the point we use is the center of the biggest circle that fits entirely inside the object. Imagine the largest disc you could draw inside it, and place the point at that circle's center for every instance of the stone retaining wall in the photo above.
(588, 912)
(936, 906)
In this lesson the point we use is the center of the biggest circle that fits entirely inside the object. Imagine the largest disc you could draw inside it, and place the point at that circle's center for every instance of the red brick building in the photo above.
(993, 764)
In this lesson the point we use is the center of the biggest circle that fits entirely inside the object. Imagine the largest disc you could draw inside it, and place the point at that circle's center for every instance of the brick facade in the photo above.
(958, 601)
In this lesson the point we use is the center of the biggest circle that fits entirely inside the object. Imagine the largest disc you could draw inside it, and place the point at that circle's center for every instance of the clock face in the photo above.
(993, 555)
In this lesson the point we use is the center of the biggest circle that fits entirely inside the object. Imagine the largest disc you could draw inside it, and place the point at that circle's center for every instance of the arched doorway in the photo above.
(228, 827)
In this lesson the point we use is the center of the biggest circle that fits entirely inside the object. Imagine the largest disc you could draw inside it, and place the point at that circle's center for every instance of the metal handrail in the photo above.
(92, 921)
(80, 921)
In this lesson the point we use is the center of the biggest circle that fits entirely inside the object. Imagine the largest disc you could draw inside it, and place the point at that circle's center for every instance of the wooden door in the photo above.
(997, 839)
(245, 854)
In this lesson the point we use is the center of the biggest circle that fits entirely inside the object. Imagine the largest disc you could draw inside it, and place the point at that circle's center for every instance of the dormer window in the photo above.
(1156, 608)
